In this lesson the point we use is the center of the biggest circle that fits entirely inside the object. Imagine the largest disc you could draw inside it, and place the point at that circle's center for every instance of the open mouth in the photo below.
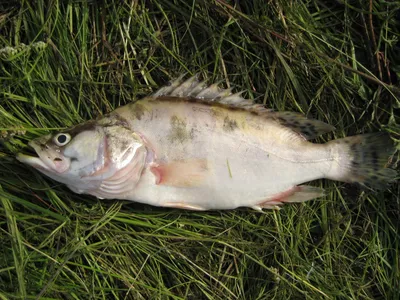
(32, 158)
(29, 151)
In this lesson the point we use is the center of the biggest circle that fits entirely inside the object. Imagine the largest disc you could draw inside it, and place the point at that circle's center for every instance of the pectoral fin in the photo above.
(182, 173)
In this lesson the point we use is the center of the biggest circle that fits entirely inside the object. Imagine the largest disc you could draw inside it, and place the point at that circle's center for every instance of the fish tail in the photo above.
(363, 159)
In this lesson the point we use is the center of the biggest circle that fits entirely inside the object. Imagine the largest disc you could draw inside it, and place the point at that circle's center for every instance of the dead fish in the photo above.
(199, 147)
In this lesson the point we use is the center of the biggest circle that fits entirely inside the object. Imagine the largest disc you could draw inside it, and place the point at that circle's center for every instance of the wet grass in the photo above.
(63, 62)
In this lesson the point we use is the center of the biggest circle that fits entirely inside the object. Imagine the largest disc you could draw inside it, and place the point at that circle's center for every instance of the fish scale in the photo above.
(200, 147)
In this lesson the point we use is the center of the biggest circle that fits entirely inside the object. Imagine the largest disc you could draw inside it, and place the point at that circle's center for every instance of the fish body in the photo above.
(199, 147)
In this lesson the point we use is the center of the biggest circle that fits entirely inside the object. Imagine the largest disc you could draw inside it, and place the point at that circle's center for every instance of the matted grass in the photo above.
(63, 62)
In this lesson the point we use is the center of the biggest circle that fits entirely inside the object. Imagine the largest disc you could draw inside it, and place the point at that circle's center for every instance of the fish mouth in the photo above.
(32, 158)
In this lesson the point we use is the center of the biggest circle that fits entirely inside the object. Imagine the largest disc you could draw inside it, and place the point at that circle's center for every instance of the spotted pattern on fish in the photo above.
(229, 124)
(201, 147)
(138, 110)
(189, 91)
(179, 131)
(369, 164)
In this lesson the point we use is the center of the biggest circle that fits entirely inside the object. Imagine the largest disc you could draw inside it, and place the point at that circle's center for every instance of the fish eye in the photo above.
(62, 139)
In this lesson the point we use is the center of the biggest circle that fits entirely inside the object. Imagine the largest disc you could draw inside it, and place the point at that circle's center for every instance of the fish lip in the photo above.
(33, 161)
(37, 161)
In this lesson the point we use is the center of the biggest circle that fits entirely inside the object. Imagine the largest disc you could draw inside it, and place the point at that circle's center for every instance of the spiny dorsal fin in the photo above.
(193, 88)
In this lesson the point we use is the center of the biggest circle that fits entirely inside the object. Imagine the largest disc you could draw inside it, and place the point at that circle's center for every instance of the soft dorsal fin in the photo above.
(308, 128)
(199, 90)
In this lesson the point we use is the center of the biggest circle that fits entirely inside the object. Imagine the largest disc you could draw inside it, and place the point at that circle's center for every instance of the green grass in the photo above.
(338, 62)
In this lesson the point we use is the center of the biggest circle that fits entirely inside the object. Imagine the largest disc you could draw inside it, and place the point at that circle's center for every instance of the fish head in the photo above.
(88, 155)
(66, 155)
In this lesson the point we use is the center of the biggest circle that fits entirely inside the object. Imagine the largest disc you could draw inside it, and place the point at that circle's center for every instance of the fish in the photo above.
(196, 146)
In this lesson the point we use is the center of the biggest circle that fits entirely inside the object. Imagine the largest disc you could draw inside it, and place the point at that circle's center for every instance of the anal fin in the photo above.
(300, 193)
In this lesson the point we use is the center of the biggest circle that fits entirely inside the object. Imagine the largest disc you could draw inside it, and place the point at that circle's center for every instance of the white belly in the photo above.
(240, 175)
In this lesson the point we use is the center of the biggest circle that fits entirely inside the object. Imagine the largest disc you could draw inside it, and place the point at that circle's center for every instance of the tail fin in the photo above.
(363, 159)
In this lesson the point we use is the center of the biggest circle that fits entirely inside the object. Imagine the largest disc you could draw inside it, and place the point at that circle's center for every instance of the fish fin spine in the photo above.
(194, 89)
